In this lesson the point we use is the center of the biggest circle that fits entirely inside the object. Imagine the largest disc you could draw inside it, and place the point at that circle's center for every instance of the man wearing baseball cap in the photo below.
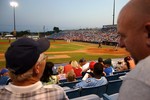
(26, 61)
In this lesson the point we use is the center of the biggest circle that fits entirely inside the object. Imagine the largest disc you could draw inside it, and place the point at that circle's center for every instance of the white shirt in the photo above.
(24, 89)
(85, 67)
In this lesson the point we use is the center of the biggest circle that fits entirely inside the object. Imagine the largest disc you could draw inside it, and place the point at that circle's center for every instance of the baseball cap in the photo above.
(91, 65)
(107, 61)
(4, 70)
(24, 53)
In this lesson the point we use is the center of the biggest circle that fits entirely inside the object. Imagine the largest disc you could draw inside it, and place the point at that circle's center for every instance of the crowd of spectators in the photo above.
(83, 68)
(36, 71)
(26, 61)
(88, 35)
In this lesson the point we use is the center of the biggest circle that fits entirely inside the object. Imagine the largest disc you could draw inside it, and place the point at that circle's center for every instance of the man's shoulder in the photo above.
(131, 89)
(52, 86)
(90, 79)
(141, 72)
(52, 92)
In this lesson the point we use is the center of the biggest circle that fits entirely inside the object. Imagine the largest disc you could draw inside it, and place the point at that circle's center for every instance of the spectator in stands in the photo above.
(129, 62)
(108, 36)
(71, 76)
(134, 29)
(85, 65)
(54, 69)
(100, 60)
(76, 67)
(89, 73)
(68, 68)
(26, 61)
(120, 66)
(48, 76)
(97, 80)
(126, 64)
(108, 67)
(4, 77)
(61, 75)
(4, 72)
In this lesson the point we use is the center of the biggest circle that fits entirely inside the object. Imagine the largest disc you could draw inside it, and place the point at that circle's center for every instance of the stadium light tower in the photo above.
(114, 12)
(14, 4)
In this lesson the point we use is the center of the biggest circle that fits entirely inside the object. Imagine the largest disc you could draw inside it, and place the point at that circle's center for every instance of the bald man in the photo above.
(134, 29)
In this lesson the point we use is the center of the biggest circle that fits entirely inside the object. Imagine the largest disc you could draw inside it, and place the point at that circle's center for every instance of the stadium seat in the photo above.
(88, 97)
(99, 90)
(115, 76)
(65, 80)
(79, 78)
(73, 93)
(102, 90)
(121, 74)
(113, 86)
(116, 72)
(69, 84)
(110, 97)
(62, 81)
(66, 88)
(112, 77)
(106, 97)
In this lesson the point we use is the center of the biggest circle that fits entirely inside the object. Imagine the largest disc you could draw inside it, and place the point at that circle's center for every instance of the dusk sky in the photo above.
(33, 15)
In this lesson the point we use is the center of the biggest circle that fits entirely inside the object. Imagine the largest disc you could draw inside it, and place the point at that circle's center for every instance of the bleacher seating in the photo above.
(106, 97)
(115, 76)
(126, 71)
(99, 90)
(79, 78)
(112, 77)
(73, 93)
(66, 88)
(65, 80)
(109, 36)
(69, 84)
(110, 97)
(62, 81)
(121, 74)
(113, 86)
(88, 97)
(108, 90)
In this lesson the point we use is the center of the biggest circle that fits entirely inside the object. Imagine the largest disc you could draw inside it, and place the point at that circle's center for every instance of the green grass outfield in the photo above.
(63, 52)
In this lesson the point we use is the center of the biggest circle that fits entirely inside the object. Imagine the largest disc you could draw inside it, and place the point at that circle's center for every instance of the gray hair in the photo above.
(26, 75)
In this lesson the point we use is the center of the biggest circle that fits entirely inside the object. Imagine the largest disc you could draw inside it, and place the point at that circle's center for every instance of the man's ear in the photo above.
(147, 27)
(36, 69)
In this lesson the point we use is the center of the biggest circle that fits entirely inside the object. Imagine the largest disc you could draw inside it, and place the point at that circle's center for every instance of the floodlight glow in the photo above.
(14, 4)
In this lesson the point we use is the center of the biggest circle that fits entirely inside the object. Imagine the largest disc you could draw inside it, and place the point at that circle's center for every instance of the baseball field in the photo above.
(62, 51)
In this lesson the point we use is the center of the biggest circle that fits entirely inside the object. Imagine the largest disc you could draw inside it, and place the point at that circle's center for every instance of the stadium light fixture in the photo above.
(14, 4)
